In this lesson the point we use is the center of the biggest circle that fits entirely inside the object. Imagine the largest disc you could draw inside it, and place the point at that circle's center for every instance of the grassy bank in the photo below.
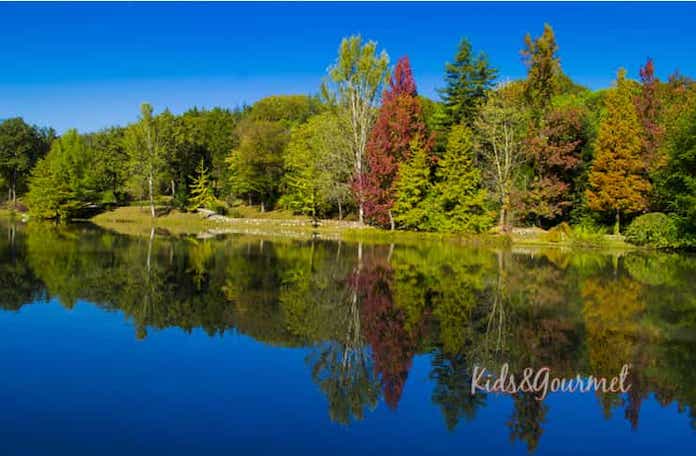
(134, 220)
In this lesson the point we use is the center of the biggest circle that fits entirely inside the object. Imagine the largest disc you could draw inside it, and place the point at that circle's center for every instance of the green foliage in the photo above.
(201, 192)
(317, 166)
(559, 233)
(412, 188)
(62, 183)
(588, 235)
(467, 80)
(459, 201)
(654, 230)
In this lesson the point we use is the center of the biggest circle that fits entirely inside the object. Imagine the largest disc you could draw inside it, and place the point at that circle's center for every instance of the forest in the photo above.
(489, 154)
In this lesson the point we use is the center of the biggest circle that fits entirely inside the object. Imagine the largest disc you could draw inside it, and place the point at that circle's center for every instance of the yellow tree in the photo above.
(618, 179)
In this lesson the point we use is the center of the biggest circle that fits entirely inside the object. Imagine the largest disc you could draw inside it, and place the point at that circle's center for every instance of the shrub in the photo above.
(588, 235)
(654, 230)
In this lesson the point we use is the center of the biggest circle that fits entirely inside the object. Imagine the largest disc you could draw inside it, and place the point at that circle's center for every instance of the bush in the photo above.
(656, 230)
(588, 235)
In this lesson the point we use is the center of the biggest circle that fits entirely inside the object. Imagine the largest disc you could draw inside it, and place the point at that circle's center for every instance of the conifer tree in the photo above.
(412, 189)
(201, 189)
(618, 179)
(460, 200)
(467, 80)
(543, 69)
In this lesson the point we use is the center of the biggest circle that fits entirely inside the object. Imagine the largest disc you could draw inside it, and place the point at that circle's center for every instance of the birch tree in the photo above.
(501, 130)
(144, 148)
(353, 86)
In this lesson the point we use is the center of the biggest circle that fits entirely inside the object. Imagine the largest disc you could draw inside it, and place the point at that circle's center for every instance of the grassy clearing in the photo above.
(133, 220)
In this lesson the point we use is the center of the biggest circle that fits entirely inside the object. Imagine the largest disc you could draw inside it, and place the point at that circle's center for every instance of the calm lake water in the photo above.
(117, 345)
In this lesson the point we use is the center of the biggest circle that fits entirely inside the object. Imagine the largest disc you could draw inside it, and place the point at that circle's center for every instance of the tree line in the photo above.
(539, 151)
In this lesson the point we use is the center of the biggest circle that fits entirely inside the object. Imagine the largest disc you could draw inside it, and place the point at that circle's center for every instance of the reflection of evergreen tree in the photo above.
(527, 418)
(18, 284)
(453, 389)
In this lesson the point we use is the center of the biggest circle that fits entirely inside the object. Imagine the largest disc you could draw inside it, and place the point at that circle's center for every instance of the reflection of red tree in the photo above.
(384, 325)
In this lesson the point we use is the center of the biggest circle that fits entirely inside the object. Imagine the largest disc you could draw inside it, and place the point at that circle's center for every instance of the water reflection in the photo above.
(364, 312)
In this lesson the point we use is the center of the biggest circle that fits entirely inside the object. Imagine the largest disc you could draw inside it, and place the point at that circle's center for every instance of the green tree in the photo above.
(201, 191)
(618, 178)
(412, 189)
(460, 200)
(63, 182)
(467, 80)
(354, 84)
(21, 145)
(144, 146)
(501, 127)
(317, 166)
(543, 69)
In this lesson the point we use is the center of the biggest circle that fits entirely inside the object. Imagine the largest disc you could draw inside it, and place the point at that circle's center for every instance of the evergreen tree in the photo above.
(460, 200)
(543, 69)
(201, 189)
(618, 179)
(412, 189)
(467, 80)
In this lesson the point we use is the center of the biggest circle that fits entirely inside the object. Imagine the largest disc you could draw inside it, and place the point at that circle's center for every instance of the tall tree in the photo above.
(144, 146)
(460, 199)
(399, 121)
(618, 179)
(555, 149)
(413, 187)
(467, 80)
(201, 189)
(317, 166)
(354, 85)
(648, 107)
(501, 127)
(63, 183)
(543, 69)
(21, 145)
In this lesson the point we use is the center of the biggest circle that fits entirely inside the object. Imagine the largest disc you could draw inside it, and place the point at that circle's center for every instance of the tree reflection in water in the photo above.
(364, 312)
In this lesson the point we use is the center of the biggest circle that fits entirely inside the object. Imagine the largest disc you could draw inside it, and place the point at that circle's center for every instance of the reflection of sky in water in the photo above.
(79, 379)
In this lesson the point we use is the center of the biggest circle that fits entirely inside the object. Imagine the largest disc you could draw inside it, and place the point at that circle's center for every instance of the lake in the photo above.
(114, 345)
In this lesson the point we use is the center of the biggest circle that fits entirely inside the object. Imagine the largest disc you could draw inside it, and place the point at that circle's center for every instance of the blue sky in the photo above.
(90, 65)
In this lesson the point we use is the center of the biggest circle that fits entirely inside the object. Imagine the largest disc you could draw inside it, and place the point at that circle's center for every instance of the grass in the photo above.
(135, 220)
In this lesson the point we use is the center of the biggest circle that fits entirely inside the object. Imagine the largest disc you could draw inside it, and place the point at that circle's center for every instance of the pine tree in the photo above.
(201, 191)
(412, 189)
(460, 200)
(618, 179)
(467, 80)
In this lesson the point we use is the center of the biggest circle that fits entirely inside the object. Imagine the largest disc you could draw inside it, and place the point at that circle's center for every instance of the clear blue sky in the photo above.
(90, 65)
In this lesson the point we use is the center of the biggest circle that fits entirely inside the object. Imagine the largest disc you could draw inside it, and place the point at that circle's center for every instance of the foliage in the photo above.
(459, 197)
(61, 184)
(353, 87)
(412, 188)
(654, 230)
(543, 69)
(399, 121)
(468, 79)
(618, 180)
(201, 191)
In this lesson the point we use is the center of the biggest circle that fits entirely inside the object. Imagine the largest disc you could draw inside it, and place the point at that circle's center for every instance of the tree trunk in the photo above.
(391, 220)
(617, 225)
(340, 211)
(152, 197)
(361, 213)
(173, 187)
(263, 207)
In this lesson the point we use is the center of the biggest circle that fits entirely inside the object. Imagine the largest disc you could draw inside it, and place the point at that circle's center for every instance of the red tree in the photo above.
(555, 149)
(648, 109)
(400, 119)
